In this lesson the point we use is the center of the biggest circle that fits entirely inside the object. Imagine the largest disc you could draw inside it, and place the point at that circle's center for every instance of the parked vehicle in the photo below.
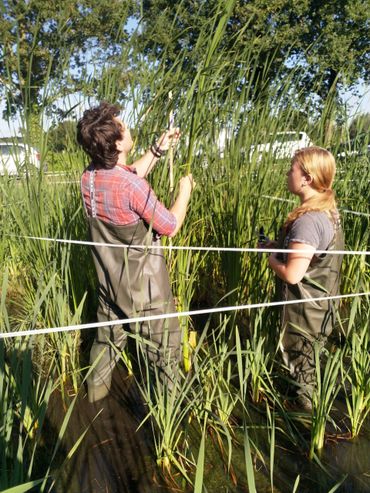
(354, 147)
(17, 158)
(283, 145)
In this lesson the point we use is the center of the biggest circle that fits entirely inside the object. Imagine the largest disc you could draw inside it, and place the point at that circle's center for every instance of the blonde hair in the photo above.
(320, 165)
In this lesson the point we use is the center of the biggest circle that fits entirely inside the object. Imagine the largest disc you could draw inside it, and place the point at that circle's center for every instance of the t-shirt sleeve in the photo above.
(145, 203)
(309, 229)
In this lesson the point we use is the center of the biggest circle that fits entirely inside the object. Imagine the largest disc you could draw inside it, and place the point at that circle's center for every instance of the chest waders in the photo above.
(133, 282)
(306, 324)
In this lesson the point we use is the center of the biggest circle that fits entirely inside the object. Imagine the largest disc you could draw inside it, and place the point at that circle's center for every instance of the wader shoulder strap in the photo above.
(92, 193)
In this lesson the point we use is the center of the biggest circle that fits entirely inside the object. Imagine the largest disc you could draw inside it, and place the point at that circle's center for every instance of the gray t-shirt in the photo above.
(313, 228)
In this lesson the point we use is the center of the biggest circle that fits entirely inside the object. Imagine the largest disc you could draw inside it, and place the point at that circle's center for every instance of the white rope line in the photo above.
(65, 182)
(347, 211)
(58, 173)
(135, 320)
(355, 213)
(279, 199)
(196, 248)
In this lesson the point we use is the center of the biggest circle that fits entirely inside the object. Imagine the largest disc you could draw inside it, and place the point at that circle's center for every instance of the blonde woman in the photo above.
(313, 225)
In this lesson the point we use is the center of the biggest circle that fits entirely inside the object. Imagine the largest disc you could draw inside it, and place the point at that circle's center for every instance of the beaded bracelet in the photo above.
(157, 151)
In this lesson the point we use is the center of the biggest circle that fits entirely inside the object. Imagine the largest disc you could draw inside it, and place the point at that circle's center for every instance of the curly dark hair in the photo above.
(98, 132)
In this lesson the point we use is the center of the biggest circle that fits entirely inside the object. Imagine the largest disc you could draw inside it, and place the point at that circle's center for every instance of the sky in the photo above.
(355, 105)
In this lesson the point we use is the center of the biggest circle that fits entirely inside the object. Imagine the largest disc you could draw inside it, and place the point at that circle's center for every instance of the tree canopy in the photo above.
(54, 41)
(46, 48)
(360, 127)
(327, 39)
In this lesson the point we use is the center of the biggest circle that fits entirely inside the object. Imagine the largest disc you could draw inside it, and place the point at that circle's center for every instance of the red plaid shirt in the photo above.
(122, 198)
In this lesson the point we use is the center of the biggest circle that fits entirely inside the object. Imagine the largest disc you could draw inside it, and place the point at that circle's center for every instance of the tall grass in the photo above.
(357, 380)
(323, 397)
(24, 400)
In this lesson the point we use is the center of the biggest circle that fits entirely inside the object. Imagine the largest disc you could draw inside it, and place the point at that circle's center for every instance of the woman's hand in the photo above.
(268, 244)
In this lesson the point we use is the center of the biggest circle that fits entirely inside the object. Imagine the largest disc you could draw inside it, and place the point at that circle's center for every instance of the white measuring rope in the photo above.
(197, 248)
(279, 199)
(347, 211)
(355, 213)
(134, 320)
(58, 173)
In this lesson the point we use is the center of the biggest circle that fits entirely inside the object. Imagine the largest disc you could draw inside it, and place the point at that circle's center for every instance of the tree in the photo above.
(360, 127)
(42, 43)
(327, 40)
(359, 132)
(62, 136)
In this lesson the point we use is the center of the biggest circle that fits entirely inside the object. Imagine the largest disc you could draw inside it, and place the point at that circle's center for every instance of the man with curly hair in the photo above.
(122, 209)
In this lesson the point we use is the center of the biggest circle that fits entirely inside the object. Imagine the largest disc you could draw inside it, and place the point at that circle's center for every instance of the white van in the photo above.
(283, 145)
(16, 157)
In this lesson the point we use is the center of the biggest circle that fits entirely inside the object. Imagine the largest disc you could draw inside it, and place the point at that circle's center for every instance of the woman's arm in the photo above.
(297, 263)
(146, 163)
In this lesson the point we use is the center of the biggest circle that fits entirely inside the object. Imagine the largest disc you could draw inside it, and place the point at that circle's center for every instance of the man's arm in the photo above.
(146, 163)
(164, 221)
(179, 208)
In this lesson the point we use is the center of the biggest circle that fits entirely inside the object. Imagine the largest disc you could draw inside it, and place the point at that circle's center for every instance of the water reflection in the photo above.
(114, 456)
